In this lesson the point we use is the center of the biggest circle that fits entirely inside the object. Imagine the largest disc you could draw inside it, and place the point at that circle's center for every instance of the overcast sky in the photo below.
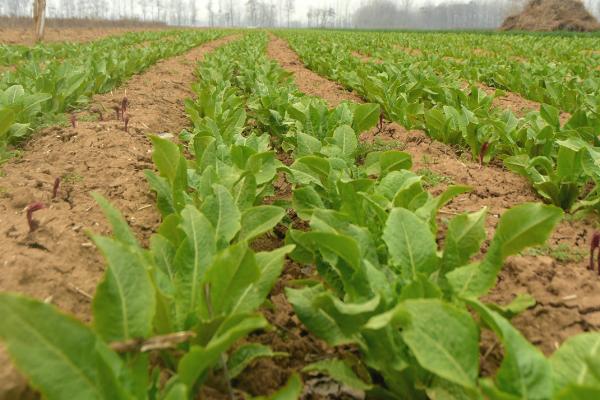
(302, 6)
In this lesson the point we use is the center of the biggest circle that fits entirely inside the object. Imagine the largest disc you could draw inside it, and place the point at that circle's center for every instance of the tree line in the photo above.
(367, 14)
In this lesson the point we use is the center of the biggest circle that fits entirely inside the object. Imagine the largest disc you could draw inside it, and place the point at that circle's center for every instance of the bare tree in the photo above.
(39, 18)
(252, 11)
(290, 7)
(211, 13)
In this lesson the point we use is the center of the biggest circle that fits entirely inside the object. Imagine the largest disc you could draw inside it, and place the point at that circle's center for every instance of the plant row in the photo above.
(560, 72)
(32, 95)
(559, 160)
(14, 55)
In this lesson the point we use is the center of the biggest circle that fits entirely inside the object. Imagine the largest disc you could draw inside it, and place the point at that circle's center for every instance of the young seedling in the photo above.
(126, 120)
(380, 125)
(73, 120)
(124, 105)
(484, 149)
(55, 188)
(595, 245)
(33, 207)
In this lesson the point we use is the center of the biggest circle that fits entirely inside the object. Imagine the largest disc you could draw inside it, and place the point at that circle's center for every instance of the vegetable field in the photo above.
(301, 214)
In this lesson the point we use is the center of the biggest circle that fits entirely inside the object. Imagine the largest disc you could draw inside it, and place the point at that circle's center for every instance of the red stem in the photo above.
(124, 105)
(483, 152)
(55, 188)
(33, 225)
(594, 244)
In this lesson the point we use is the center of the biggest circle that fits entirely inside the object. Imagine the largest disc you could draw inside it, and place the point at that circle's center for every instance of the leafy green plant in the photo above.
(190, 281)
(403, 305)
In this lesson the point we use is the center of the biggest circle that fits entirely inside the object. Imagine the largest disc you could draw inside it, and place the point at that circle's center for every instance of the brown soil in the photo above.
(58, 262)
(365, 58)
(566, 292)
(519, 105)
(552, 15)
(25, 36)
(409, 50)
(483, 52)
(332, 92)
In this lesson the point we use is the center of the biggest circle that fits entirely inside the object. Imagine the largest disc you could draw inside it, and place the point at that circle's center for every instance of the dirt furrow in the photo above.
(57, 262)
(556, 276)
(332, 92)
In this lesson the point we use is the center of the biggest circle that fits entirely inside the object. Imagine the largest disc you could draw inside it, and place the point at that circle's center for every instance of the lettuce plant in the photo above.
(189, 280)
(405, 305)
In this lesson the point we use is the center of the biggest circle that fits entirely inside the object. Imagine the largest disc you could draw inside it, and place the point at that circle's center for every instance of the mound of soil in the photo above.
(552, 15)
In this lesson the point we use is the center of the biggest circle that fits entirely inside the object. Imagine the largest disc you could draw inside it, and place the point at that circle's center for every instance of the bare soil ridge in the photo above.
(567, 294)
(552, 15)
(58, 262)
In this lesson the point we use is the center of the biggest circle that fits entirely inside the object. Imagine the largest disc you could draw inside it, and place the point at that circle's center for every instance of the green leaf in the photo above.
(270, 265)
(339, 371)
(244, 355)
(305, 200)
(570, 363)
(315, 319)
(223, 213)
(411, 244)
(230, 276)
(177, 392)
(193, 258)
(306, 145)
(443, 338)
(60, 356)
(345, 139)
(195, 365)
(466, 233)
(259, 220)
(342, 246)
(366, 116)
(310, 169)
(164, 195)
(349, 317)
(524, 372)
(180, 185)
(7, 119)
(125, 302)
(551, 115)
(573, 392)
(120, 228)
(441, 389)
(394, 160)
(523, 226)
(165, 156)
(520, 303)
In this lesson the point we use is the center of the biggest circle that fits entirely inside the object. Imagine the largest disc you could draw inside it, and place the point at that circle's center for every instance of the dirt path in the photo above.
(332, 92)
(58, 262)
(568, 295)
